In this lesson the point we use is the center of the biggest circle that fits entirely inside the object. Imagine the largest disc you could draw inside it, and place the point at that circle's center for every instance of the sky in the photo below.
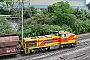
(87, 1)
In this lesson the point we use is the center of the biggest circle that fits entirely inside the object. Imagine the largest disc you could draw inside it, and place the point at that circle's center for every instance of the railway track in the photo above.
(82, 43)
(79, 54)
(83, 36)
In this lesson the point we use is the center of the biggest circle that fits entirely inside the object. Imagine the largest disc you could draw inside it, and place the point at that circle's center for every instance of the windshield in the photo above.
(63, 35)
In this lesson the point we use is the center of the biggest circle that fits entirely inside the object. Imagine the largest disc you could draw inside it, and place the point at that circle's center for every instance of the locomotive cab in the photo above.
(67, 38)
(61, 33)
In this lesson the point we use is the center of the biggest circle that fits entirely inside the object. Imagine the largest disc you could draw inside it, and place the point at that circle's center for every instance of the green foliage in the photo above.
(88, 5)
(7, 0)
(37, 19)
(71, 20)
(30, 11)
(40, 19)
(48, 29)
(5, 7)
(88, 15)
(58, 16)
(37, 30)
(26, 32)
(87, 25)
(81, 26)
(66, 28)
(45, 12)
(1, 0)
(5, 27)
(61, 10)
(62, 7)
(15, 13)
(80, 14)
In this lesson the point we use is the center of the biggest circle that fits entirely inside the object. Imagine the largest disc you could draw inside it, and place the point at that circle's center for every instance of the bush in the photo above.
(81, 26)
(5, 27)
(66, 28)
(38, 30)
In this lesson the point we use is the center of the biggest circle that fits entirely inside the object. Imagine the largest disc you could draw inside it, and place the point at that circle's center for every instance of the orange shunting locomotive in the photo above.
(60, 39)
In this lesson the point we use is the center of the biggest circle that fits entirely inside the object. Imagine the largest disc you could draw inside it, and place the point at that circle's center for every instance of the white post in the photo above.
(22, 21)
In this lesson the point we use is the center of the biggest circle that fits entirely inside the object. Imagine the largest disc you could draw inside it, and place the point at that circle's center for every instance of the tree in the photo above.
(5, 27)
(66, 28)
(38, 30)
(1, 0)
(5, 8)
(81, 14)
(15, 12)
(71, 20)
(29, 12)
(88, 15)
(61, 10)
(88, 5)
(41, 19)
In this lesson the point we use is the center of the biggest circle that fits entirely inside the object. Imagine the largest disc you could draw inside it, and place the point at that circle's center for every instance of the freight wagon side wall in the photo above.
(8, 40)
(8, 44)
(8, 51)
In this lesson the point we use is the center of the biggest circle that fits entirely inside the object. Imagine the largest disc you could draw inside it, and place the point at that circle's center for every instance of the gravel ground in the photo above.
(79, 54)
(83, 36)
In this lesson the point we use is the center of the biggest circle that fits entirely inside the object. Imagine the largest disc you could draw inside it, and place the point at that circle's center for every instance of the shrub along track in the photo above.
(83, 42)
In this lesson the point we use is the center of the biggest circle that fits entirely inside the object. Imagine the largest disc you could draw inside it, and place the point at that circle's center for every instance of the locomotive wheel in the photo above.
(61, 46)
(43, 50)
(26, 50)
(36, 50)
(33, 51)
(69, 45)
(73, 45)
(14, 55)
(48, 48)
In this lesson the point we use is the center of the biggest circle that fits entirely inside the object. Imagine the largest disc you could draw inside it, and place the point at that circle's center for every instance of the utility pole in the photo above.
(22, 21)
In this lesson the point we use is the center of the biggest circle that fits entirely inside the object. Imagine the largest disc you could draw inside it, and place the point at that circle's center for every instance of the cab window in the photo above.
(64, 35)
